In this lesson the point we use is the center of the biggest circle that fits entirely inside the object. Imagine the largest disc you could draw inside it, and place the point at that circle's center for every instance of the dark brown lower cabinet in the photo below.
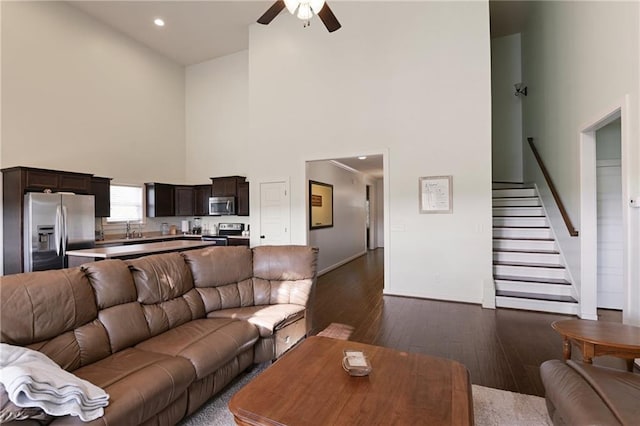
(238, 241)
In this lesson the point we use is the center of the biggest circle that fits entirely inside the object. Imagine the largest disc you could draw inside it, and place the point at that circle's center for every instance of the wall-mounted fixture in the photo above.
(520, 89)
(305, 10)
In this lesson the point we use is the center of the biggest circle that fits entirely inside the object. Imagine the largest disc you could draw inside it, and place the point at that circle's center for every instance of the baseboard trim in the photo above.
(342, 262)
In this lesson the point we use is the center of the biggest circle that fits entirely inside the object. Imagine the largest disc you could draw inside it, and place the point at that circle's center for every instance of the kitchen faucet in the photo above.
(130, 233)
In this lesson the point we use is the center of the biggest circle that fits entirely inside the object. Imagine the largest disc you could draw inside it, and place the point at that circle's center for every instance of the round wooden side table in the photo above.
(597, 338)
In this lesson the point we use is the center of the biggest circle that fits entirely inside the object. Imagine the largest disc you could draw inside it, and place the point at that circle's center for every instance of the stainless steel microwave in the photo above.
(222, 206)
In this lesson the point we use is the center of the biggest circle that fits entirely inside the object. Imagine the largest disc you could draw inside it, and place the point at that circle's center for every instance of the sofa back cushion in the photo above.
(222, 276)
(165, 291)
(284, 274)
(119, 310)
(55, 313)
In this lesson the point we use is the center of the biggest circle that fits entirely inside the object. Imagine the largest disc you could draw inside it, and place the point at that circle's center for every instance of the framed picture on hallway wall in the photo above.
(320, 205)
(436, 194)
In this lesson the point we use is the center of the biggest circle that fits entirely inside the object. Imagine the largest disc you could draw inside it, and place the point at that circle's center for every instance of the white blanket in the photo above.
(31, 379)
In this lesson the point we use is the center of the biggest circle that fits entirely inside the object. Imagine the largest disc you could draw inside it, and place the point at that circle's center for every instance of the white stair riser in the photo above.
(529, 272)
(520, 221)
(537, 305)
(516, 202)
(525, 287)
(505, 185)
(522, 233)
(514, 192)
(546, 258)
(518, 211)
(524, 245)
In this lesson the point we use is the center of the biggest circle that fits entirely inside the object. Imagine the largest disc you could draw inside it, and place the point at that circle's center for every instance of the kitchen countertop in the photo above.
(138, 249)
(151, 238)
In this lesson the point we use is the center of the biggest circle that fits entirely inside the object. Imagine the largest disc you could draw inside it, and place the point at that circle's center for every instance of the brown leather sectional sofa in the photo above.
(585, 394)
(162, 334)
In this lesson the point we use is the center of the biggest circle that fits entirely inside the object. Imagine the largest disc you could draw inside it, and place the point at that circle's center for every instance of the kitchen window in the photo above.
(126, 203)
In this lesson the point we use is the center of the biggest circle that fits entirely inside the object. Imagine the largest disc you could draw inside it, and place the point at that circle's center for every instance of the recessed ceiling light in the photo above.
(362, 157)
(159, 22)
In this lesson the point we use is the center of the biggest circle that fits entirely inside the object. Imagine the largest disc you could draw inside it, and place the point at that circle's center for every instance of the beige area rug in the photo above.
(337, 331)
(495, 407)
(491, 407)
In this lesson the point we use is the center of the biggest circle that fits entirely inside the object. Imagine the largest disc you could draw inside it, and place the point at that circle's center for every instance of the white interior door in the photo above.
(275, 214)
(610, 236)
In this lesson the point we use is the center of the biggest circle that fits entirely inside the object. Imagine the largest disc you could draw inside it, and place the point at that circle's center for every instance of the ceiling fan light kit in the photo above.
(305, 11)
(304, 7)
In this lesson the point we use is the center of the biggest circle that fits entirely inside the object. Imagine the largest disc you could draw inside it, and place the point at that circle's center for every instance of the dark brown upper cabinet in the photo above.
(201, 200)
(101, 190)
(243, 199)
(160, 199)
(38, 180)
(184, 205)
(233, 186)
(226, 186)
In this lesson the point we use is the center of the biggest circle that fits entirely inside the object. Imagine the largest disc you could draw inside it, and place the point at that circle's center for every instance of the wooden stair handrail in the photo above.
(567, 220)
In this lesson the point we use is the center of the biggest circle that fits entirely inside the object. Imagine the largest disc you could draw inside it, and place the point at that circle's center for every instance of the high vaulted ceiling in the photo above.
(197, 31)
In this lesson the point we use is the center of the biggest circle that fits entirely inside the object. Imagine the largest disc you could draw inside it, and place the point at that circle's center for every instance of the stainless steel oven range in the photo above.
(224, 230)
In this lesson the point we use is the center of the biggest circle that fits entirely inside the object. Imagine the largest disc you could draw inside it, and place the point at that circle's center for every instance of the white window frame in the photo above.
(106, 220)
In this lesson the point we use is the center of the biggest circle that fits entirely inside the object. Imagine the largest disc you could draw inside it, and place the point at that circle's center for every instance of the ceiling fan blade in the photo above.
(272, 12)
(329, 19)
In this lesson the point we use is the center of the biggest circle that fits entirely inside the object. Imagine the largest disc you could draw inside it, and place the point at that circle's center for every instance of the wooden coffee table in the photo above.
(596, 338)
(308, 386)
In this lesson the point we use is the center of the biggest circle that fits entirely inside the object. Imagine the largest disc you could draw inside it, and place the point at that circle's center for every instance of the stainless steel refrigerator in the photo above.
(53, 224)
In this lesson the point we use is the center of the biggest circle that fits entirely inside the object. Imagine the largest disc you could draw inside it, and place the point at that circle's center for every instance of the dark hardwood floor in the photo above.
(502, 348)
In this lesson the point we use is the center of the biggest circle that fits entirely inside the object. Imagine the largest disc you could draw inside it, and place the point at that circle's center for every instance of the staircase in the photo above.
(527, 267)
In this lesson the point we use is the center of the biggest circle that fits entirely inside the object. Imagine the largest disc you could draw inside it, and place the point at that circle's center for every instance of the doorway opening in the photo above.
(359, 206)
(604, 241)
(609, 216)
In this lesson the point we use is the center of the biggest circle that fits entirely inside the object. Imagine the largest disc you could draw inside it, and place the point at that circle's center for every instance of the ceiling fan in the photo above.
(306, 9)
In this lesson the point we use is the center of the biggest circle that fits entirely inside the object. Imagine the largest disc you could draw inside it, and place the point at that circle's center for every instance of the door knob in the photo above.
(262, 236)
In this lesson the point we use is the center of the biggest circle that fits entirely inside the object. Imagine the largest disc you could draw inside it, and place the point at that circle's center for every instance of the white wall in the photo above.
(379, 207)
(579, 60)
(346, 240)
(217, 115)
(315, 95)
(79, 96)
(506, 118)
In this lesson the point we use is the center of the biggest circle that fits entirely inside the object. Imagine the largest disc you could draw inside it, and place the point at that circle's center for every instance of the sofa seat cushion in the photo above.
(267, 318)
(573, 399)
(207, 343)
(140, 384)
(620, 390)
